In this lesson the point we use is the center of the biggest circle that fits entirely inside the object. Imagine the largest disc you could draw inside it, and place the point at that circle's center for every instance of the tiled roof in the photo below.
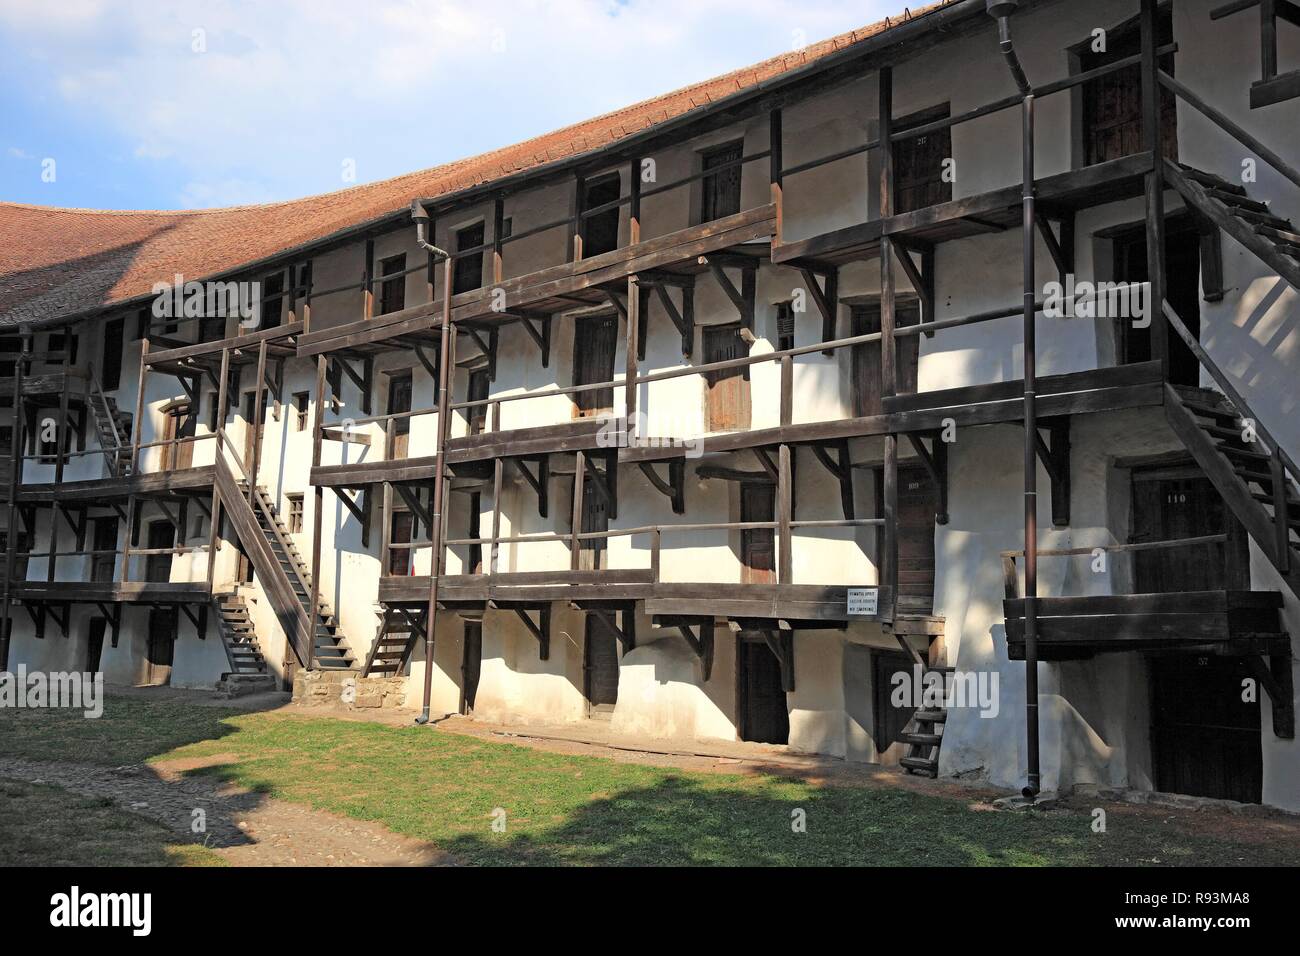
(63, 262)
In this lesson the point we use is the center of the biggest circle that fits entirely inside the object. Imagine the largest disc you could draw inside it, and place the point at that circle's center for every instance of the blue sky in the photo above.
(199, 103)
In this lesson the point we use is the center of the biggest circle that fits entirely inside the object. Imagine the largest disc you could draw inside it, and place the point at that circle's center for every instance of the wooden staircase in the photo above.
(330, 650)
(113, 430)
(399, 629)
(1270, 237)
(237, 634)
(923, 737)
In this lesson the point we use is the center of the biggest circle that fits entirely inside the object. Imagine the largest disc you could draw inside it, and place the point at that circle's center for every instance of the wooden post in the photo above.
(1268, 39)
(787, 389)
(785, 505)
(776, 165)
(633, 347)
(634, 203)
(575, 543)
(214, 532)
(888, 367)
(498, 225)
(385, 531)
(318, 503)
(1155, 183)
(64, 428)
(15, 475)
(889, 573)
(256, 424)
(498, 476)
(368, 280)
(575, 222)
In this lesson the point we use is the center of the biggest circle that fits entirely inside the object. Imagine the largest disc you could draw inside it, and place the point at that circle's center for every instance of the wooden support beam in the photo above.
(841, 470)
(679, 318)
(540, 630)
(826, 298)
(1276, 678)
(624, 631)
(784, 515)
(781, 644)
(540, 483)
(675, 487)
(935, 460)
(575, 514)
(701, 643)
(1064, 265)
(742, 298)
(1056, 462)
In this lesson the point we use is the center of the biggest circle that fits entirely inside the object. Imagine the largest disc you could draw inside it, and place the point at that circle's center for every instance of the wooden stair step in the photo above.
(1210, 411)
(921, 764)
(1280, 235)
(930, 716)
(1212, 181)
(920, 739)
(1237, 200)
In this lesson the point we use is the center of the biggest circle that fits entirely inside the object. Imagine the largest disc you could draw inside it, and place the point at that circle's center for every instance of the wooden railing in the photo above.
(1011, 574)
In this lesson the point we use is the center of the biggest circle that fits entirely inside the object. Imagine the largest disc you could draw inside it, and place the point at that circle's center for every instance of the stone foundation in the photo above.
(348, 691)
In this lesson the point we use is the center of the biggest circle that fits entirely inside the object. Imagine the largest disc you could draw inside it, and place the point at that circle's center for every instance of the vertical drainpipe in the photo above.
(421, 217)
(1001, 10)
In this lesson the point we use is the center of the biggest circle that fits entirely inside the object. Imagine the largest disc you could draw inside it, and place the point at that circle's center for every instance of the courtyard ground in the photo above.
(282, 785)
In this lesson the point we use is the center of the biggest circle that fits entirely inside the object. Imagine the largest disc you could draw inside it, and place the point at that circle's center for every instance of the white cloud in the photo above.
(286, 90)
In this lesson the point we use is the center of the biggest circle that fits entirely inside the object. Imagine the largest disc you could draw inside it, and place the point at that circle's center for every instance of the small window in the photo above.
(600, 232)
(784, 327)
(392, 293)
(300, 404)
(507, 227)
(720, 195)
(295, 514)
(468, 274)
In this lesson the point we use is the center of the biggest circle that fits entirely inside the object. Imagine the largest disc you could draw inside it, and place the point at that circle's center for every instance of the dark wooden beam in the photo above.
(541, 629)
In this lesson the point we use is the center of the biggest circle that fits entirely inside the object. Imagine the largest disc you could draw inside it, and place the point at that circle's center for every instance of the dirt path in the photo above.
(245, 828)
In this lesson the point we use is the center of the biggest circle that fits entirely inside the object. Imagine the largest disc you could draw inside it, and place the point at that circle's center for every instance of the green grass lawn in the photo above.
(558, 809)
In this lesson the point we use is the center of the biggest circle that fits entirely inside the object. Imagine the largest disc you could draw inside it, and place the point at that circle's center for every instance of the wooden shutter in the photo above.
(727, 391)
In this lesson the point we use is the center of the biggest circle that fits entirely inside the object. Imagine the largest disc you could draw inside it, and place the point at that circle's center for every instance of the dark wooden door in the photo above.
(918, 502)
(593, 362)
(865, 359)
(180, 423)
(162, 643)
(918, 165)
(600, 665)
(1111, 118)
(1182, 288)
(764, 716)
(95, 644)
(158, 567)
(726, 393)
(595, 518)
(720, 191)
(600, 232)
(105, 539)
(1170, 508)
(1205, 739)
(399, 558)
(110, 376)
(399, 400)
(471, 665)
(889, 719)
(757, 545)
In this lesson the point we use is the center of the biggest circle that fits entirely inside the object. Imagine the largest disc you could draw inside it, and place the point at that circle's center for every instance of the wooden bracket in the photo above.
(935, 459)
(842, 470)
(826, 297)
(113, 614)
(624, 630)
(360, 508)
(742, 298)
(540, 630)
(606, 484)
(781, 644)
(1062, 249)
(701, 642)
(412, 498)
(275, 386)
(923, 278)
(540, 334)
(1277, 680)
(683, 319)
(198, 617)
(674, 489)
(540, 482)
(488, 348)
(1056, 460)
(363, 379)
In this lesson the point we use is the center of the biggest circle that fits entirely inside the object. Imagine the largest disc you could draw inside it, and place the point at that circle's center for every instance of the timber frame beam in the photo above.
(1055, 458)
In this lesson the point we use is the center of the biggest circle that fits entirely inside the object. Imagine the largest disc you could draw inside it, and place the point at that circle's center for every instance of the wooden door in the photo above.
(865, 359)
(162, 643)
(399, 400)
(919, 164)
(479, 383)
(1182, 288)
(726, 393)
(110, 375)
(158, 567)
(595, 518)
(1205, 740)
(95, 644)
(471, 665)
(720, 191)
(761, 701)
(1166, 508)
(105, 539)
(757, 545)
(593, 362)
(600, 665)
(1111, 117)
(399, 559)
(179, 423)
(889, 720)
(918, 502)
